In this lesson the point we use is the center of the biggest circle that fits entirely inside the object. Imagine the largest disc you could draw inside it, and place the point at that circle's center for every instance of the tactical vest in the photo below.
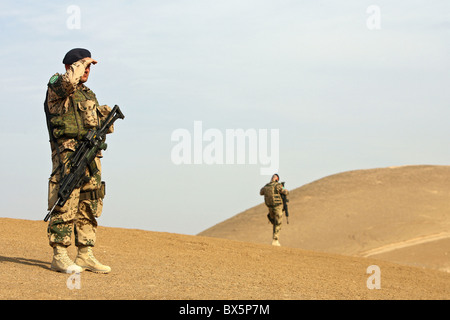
(82, 114)
(271, 196)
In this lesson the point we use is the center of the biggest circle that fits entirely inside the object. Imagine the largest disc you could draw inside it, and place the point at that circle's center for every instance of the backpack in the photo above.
(271, 196)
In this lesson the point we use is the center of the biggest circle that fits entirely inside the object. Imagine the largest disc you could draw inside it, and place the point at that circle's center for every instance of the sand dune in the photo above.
(398, 214)
(160, 266)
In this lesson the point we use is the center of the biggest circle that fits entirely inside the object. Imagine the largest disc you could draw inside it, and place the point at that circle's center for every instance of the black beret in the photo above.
(76, 54)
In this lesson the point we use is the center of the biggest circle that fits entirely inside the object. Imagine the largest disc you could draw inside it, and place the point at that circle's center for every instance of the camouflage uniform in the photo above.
(273, 201)
(73, 110)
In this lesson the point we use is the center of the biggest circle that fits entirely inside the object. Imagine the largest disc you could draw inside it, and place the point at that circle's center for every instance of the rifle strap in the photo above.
(94, 194)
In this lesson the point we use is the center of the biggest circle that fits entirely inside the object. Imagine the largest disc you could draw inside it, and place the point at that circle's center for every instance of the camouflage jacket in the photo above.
(73, 108)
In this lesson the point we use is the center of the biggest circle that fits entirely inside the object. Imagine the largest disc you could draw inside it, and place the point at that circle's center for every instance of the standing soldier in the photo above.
(272, 198)
(71, 110)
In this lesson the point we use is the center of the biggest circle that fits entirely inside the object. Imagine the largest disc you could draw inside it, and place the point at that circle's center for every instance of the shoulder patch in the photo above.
(53, 79)
(56, 85)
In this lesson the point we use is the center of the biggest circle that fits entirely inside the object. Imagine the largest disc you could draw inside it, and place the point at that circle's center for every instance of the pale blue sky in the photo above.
(343, 97)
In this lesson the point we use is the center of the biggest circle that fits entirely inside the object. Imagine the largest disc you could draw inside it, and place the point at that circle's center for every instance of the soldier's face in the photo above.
(85, 76)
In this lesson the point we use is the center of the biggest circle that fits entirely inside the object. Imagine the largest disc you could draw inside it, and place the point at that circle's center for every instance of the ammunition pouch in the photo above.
(88, 110)
(94, 194)
(65, 126)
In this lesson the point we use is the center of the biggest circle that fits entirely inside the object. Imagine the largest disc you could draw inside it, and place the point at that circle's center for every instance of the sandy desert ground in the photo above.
(394, 218)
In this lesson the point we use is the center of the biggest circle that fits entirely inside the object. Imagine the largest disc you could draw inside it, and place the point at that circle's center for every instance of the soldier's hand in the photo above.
(90, 60)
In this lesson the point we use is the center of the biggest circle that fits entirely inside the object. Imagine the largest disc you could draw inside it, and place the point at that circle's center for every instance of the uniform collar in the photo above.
(81, 86)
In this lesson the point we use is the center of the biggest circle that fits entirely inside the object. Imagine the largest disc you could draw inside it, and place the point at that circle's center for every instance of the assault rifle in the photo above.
(285, 206)
(83, 158)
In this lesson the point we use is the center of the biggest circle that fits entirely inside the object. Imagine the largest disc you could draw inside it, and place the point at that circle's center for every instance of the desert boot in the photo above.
(87, 261)
(61, 261)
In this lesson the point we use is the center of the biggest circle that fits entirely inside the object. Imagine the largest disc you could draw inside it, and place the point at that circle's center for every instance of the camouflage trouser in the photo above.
(77, 215)
(276, 217)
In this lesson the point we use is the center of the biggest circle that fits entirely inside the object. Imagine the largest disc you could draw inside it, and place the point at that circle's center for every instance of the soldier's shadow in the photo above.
(29, 262)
